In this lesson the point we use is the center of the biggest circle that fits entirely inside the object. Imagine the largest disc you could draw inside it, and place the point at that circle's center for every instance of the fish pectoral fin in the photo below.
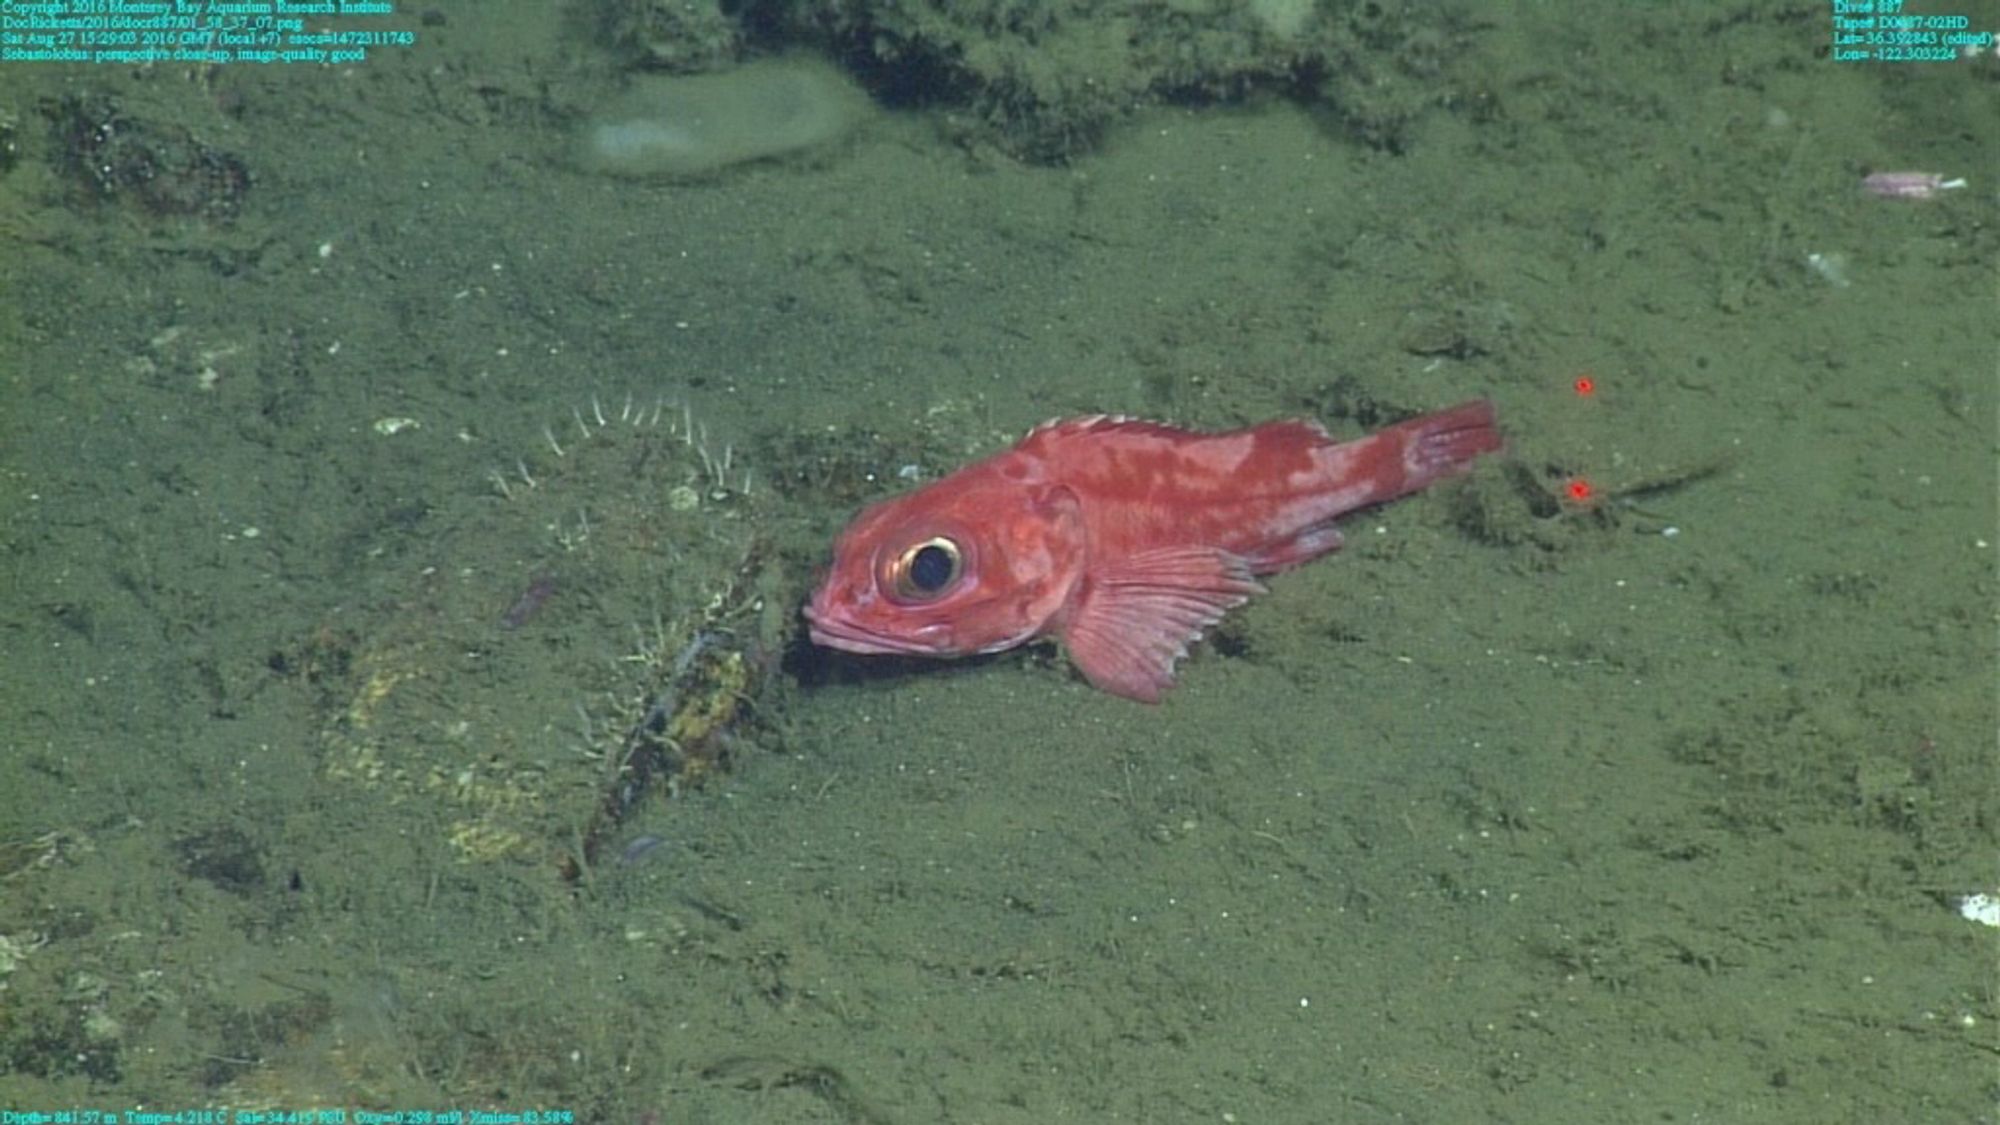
(1135, 619)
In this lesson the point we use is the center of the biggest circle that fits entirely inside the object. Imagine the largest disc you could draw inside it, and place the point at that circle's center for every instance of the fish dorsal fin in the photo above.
(1076, 425)
(1137, 618)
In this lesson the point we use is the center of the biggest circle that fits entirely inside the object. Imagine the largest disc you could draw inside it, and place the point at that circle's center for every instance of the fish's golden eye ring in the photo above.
(926, 571)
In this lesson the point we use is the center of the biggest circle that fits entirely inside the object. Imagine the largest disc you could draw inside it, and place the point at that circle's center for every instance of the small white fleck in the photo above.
(326, 250)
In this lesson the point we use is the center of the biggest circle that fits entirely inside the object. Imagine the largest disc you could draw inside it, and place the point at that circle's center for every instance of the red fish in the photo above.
(1122, 539)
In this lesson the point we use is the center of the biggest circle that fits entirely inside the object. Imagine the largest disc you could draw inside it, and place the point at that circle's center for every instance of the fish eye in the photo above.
(928, 569)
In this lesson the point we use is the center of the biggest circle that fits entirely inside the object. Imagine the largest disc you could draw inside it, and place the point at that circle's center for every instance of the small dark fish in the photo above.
(640, 848)
(530, 601)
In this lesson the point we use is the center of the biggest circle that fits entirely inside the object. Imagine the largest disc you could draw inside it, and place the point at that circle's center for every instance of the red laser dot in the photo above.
(1585, 386)
(1579, 490)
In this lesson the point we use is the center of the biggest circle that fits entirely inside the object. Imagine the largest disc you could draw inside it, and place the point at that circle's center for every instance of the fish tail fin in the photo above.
(1418, 452)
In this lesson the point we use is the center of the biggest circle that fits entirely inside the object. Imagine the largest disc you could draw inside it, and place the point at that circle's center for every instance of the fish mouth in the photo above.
(832, 630)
